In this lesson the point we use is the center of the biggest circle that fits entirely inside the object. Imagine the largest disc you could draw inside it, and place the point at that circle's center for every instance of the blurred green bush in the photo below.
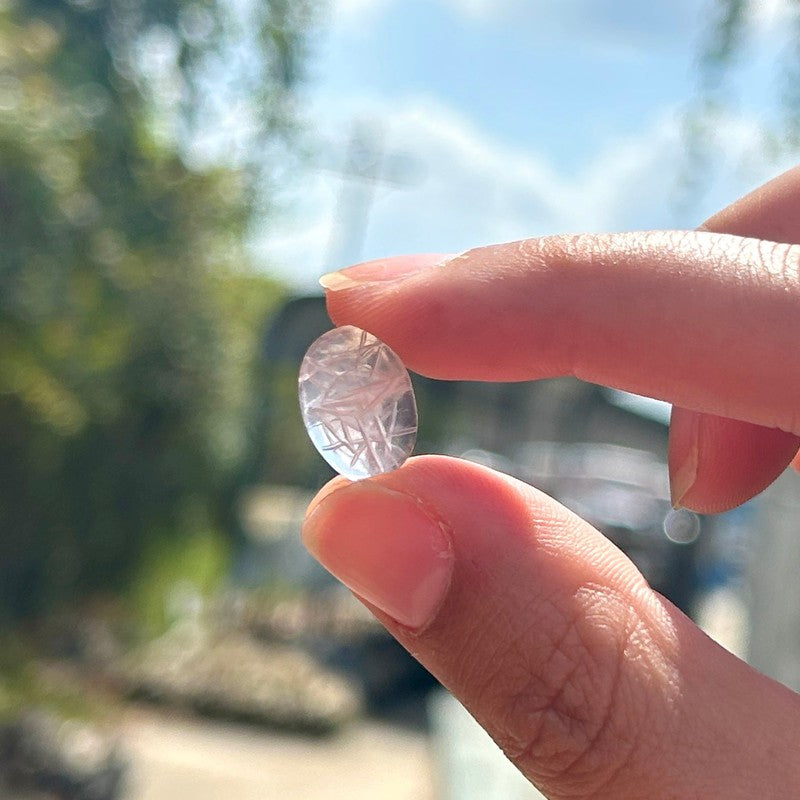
(129, 315)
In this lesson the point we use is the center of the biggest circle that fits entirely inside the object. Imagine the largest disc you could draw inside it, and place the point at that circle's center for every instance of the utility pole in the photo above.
(366, 167)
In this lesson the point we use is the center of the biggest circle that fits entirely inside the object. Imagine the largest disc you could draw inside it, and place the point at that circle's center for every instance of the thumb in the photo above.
(594, 685)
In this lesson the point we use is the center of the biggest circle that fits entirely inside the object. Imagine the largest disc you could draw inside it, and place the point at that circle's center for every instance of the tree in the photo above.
(724, 47)
(122, 379)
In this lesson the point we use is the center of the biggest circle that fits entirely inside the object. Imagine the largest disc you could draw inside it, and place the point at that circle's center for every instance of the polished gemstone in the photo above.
(357, 403)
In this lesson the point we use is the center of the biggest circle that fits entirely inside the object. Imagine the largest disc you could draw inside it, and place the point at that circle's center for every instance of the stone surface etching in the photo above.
(357, 403)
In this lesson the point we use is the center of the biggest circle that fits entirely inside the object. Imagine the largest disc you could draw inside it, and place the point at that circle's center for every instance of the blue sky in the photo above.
(519, 118)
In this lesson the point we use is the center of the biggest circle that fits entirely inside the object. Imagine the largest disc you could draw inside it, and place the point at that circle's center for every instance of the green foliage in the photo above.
(174, 571)
(128, 314)
(27, 688)
(724, 47)
(726, 41)
(288, 456)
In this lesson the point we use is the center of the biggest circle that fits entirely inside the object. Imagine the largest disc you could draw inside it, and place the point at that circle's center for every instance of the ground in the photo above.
(176, 758)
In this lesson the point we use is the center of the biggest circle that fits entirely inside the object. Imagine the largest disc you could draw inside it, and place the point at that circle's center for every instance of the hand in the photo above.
(593, 684)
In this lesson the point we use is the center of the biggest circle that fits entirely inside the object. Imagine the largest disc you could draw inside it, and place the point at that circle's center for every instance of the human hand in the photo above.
(593, 684)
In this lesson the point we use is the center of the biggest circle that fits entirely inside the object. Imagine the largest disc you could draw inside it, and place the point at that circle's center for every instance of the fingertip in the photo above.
(351, 292)
(334, 485)
(381, 270)
(384, 545)
(716, 463)
(683, 454)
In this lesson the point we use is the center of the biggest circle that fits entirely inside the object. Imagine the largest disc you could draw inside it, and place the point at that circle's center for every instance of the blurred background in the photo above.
(174, 176)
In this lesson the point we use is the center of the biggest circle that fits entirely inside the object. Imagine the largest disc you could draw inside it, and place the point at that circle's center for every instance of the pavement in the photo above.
(177, 758)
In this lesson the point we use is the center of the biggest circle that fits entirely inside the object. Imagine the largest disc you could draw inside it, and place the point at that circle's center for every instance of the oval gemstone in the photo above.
(357, 403)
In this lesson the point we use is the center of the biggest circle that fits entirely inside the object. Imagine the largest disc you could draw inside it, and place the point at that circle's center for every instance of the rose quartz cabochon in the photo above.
(357, 403)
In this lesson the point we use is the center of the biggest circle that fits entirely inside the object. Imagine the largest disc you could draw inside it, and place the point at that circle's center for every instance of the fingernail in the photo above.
(684, 449)
(380, 271)
(384, 547)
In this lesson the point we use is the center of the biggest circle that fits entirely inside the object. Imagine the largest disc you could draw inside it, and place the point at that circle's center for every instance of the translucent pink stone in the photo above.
(357, 403)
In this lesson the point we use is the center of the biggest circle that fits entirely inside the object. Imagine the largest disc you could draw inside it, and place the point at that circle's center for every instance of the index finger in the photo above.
(703, 320)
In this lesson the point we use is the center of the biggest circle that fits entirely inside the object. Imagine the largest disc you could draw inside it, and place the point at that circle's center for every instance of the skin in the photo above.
(593, 684)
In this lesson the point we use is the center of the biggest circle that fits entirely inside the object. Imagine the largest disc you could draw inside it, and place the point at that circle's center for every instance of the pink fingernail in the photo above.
(380, 271)
(684, 451)
(385, 547)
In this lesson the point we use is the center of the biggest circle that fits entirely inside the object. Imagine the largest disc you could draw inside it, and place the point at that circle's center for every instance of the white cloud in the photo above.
(620, 26)
(356, 14)
(476, 190)
(769, 15)
(630, 24)
(600, 15)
